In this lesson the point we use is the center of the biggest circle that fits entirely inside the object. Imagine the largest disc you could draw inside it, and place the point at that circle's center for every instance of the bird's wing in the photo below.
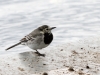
(32, 36)
(27, 38)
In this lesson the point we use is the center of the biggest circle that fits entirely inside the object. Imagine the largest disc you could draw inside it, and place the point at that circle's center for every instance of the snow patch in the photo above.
(74, 58)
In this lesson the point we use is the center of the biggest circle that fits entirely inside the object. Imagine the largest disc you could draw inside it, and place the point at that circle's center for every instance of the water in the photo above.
(74, 20)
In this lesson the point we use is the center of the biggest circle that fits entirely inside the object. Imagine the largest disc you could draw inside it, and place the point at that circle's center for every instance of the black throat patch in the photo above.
(48, 37)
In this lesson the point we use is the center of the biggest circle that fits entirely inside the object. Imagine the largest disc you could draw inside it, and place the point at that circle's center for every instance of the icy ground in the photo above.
(73, 58)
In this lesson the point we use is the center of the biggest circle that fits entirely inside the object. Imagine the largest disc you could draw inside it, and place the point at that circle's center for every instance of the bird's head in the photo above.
(45, 29)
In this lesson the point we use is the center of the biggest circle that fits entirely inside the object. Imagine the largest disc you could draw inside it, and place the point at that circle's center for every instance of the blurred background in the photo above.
(74, 19)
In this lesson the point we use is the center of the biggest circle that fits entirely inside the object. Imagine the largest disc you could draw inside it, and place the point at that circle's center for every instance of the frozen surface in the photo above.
(75, 58)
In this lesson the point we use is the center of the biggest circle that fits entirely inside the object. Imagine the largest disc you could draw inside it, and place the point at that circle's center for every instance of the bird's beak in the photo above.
(52, 28)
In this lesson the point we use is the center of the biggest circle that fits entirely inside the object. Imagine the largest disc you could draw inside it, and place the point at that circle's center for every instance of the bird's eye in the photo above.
(46, 28)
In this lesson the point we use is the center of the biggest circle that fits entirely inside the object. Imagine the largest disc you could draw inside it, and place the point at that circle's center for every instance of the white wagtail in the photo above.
(37, 39)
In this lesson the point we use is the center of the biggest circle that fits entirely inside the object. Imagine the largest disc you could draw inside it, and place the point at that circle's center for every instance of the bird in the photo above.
(39, 38)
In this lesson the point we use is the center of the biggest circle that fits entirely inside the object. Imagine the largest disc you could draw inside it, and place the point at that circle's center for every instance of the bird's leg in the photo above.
(39, 54)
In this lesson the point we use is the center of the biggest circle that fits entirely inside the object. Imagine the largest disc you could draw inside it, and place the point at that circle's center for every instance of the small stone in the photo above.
(74, 52)
(61, 50)
(45, 73)
(44, 64)
(7, 64)
(52, 59)
(87, 67)
(71, 69)
(21, 69)
(81, 73)
(81, 69)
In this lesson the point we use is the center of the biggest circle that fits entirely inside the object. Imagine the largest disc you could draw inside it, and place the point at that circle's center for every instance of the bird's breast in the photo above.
(48, 37)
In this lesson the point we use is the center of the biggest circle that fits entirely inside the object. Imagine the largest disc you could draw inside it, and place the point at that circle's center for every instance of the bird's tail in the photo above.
(13, 46)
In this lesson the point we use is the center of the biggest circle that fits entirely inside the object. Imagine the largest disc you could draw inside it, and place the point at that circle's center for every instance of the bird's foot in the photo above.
(39, 54)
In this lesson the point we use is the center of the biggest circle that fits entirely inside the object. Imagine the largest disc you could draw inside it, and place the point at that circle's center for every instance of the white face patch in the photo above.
(41, 32)
(47, 30)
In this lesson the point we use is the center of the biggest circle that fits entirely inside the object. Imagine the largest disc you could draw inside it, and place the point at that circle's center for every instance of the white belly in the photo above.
(34, 45)
(37, 46)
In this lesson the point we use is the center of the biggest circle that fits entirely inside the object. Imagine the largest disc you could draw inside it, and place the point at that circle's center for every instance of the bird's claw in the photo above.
(39, 54)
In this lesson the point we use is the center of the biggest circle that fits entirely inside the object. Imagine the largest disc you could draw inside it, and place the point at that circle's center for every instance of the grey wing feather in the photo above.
(27, 38)
(34, 34)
